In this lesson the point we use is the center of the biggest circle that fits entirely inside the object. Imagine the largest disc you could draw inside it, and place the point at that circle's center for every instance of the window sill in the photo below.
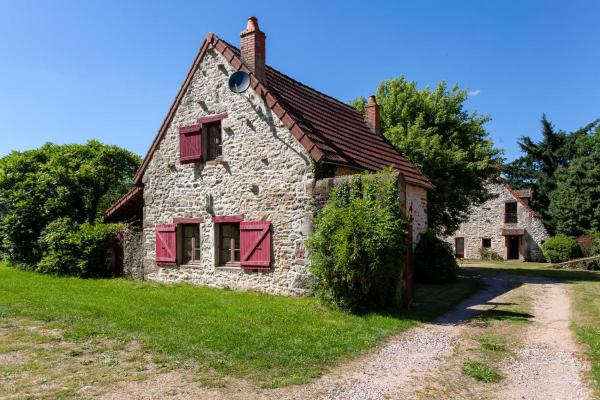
(216, 161)
(232, 266)
(195, 264)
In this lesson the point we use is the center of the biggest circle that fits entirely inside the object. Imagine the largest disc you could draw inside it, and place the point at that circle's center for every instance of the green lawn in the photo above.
(585, 291)
(271, 340)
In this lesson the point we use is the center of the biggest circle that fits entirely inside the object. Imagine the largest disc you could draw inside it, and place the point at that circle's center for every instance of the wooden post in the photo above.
(408, 284)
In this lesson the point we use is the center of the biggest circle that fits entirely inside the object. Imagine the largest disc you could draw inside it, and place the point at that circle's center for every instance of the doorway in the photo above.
(459, 247)
(513, 247)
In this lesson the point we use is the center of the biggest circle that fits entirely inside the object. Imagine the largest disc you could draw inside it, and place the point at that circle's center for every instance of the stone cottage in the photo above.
(505, 225)
(227, 193)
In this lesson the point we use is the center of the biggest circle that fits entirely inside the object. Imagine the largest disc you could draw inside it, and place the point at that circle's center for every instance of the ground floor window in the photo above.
(242, 244)
(229, 244)
(190, 249)
(486, 243)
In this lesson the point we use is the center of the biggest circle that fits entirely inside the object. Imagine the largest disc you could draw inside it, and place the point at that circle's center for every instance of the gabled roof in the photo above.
(519, 199)
(331, 131)
(524, 193)
(129, 207)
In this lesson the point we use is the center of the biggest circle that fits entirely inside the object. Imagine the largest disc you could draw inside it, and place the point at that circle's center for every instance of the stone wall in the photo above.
(133, 253)
(263, 175)
(487, 221)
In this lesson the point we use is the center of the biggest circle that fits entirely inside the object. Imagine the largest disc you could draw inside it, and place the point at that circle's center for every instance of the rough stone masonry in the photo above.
(487, 221)
(264, 174)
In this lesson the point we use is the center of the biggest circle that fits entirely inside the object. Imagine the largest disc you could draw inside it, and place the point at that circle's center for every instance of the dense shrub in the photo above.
(76, 181)
(595, 249)
(560, 248)
(489, 254)
(587, 242)
(357, 248)
(434, 260)
(73, 249)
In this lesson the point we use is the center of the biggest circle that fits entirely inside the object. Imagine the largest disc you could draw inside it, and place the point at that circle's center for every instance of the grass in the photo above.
(480, 371)
(585, 293)
(492, 345)
(271, 340)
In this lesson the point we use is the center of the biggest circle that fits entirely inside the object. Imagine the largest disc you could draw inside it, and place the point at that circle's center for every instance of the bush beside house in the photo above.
(51, 201)
(358, 246)
(434, 260)
(489, 254)
(79, 250)
(561, 248)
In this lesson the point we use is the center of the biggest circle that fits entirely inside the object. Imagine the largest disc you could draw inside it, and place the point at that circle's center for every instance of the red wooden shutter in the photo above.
(166, 244)
(190, 144)
(255, 244)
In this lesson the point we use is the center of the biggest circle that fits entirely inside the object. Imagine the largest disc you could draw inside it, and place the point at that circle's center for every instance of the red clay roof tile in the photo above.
(331, 131)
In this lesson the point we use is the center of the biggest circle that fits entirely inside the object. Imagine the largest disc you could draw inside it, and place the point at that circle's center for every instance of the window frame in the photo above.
(511, 217)
(484, 241)
(209, 152)
(232, 248)
(196, 244)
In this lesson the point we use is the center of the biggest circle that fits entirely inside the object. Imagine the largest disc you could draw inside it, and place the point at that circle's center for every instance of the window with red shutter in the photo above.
(190, 144)
(255, 244)
(166, 244)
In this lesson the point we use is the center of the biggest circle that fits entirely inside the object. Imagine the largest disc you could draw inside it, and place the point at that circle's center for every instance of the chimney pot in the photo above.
(372, 115)
(252, 47)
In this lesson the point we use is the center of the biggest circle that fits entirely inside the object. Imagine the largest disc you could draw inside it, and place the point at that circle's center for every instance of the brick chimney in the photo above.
(372, 115)
(252, 46)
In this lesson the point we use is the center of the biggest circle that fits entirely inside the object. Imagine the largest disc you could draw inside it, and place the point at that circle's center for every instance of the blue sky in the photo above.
(108, 70)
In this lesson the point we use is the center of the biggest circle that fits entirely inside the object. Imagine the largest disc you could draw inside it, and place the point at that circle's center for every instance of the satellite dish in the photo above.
(239, 82)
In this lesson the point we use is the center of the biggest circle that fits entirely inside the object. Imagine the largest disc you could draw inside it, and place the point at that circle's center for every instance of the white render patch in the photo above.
(487, 222)
(416, 202)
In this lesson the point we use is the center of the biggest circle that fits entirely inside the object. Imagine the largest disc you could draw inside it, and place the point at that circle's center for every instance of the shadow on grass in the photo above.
(432, 301)
(504, 315)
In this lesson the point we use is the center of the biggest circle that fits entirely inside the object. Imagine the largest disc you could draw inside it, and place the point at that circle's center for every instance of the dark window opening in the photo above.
(229, 244)
(510, 213)
(486, 243)
(214, 148)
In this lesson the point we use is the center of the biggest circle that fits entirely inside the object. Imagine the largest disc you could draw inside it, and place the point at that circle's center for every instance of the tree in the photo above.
(575, 203)
(39, 186)
(448, 144)
(537, 168)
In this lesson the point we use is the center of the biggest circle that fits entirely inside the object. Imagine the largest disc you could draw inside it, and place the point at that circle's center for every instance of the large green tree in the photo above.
(55, 181)
(447, 143)
(537, 168)
(575, 203)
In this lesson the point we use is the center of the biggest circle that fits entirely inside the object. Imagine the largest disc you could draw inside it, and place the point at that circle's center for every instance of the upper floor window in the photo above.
(510, 213)
(213, 140)
(201, 141)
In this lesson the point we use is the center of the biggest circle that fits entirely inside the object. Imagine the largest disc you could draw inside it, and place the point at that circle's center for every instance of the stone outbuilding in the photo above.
(227, 193)
(505, 225)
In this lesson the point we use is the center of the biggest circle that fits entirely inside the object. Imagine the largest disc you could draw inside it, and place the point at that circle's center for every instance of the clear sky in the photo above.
(108, 70)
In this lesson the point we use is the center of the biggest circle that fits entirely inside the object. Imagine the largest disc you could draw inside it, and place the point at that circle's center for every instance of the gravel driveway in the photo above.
(547, 367)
